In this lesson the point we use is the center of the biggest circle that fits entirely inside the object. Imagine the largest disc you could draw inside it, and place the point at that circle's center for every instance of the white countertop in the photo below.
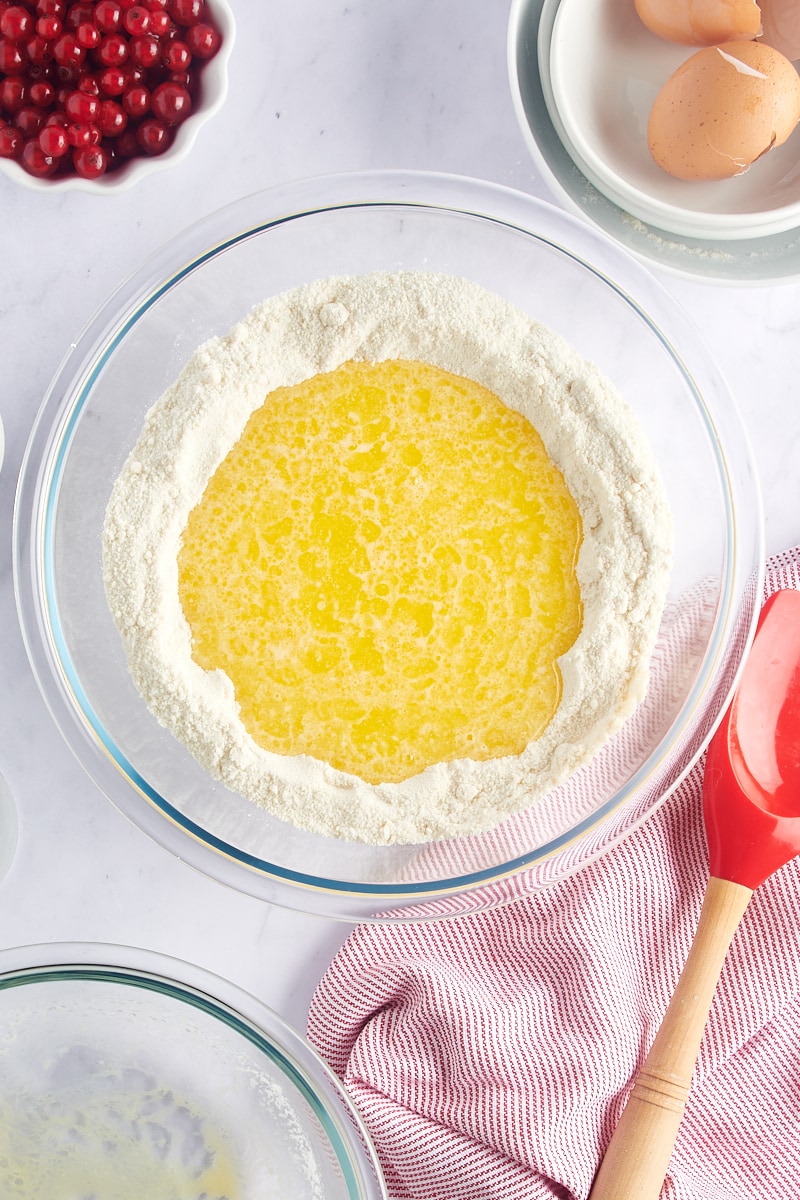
(316, 87)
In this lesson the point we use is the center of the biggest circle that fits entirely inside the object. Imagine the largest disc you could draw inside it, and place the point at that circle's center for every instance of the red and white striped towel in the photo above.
(491, 1055)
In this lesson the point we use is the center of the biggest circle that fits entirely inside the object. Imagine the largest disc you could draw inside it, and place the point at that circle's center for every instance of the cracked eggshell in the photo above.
(722, 109)
(701, 22)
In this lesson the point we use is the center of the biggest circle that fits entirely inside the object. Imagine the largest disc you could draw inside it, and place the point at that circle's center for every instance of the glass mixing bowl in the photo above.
(554, 268)
(125, 1072)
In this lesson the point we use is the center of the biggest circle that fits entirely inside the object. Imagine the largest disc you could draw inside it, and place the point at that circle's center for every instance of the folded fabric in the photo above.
(490, 1056)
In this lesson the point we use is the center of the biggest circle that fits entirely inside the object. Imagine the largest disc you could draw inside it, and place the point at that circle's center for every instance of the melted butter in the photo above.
(384, 566)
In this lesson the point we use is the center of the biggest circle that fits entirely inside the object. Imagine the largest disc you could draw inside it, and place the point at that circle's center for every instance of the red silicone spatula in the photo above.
(751, 806)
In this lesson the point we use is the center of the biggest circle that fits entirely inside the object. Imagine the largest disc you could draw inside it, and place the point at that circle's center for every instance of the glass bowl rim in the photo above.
(237, 1009)
(49, 441)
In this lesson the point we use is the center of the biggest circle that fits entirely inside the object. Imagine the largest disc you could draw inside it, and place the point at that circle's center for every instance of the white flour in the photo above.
(589, 433)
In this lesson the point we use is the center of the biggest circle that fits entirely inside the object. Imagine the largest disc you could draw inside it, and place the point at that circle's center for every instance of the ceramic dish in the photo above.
(211, 93)
(118, 1063)
(749, 260)
(560, 272)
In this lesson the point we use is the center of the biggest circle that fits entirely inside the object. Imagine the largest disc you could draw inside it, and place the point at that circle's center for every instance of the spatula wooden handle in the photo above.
(638, 1154)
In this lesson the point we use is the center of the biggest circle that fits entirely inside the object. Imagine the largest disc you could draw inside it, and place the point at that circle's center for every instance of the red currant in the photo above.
(177, 56)
(126, 145)
(145, 50)
(107, 16)
(112, 118)
(11, 142)
(38, 50)
(203, 40)
(90, 162)
(136, 20)
(13, 93)
(81, 107)
(42, 93)
(88, 35)
(111, 81)
(29, 120)
(84, 135)
(112, 51)
(12, 59)
(49, 27)
(36, 162)
(171, 103)
(79, 14)
(153, 136)
(54, 8)
(136, 101)
(186, 12)
(89, 84)
(68, 51)
(16, 23)
(160, 22)
(53, 140)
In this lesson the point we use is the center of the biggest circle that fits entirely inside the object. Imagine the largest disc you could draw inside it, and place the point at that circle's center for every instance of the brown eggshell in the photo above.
(722, 109)
(701, 22)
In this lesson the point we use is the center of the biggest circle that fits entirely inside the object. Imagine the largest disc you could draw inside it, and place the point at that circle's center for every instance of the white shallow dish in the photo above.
(212, 91)
(119, 1066)
(750, 260)
(606, 69)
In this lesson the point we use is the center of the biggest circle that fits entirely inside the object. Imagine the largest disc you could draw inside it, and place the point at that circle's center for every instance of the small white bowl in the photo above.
(601, 70)
(213, 89)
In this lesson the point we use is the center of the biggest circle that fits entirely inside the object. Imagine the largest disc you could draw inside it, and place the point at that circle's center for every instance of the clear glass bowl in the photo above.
(121, 1064)
(555, 268)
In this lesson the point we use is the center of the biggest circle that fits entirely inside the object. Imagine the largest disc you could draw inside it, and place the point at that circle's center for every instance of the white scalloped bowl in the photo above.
(211, 92)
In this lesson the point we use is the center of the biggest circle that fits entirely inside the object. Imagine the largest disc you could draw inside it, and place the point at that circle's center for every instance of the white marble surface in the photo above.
(317, 87)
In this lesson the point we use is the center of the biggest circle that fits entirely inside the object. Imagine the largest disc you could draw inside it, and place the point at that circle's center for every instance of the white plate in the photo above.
(605, 70)
(753, 260)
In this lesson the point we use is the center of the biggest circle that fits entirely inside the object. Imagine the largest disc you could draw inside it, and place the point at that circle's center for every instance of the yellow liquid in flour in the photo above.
(384, 566)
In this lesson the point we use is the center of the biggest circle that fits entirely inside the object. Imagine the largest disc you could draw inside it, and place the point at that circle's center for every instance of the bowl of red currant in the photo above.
(95, 94)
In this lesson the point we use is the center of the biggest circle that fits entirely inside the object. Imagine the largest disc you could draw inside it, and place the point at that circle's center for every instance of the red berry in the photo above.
(38, 50)
(177, 56)
(36, 162)
(203, 40)
(111, 81)
(49, 27)
(84, 135)
(136, 20)
(12, 58)
(153, 136)
(11, 142)
(112, 119)
(42, 93)
(56, 118)
(79, 14)
(87, 35)
(68, 52)
(53, 140)
(112, 51)
(90, 162)
(171, 103)
(186, 12)
(108, 16)
(145, 50)
(81, 107)
(13, 93)
(16, 23)
(136, 101)
(29, 120)
(48, 8)
(160, 22)
(89, 84)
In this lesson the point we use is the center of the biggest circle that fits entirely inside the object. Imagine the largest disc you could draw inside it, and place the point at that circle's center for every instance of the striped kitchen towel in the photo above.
(490, 1056)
